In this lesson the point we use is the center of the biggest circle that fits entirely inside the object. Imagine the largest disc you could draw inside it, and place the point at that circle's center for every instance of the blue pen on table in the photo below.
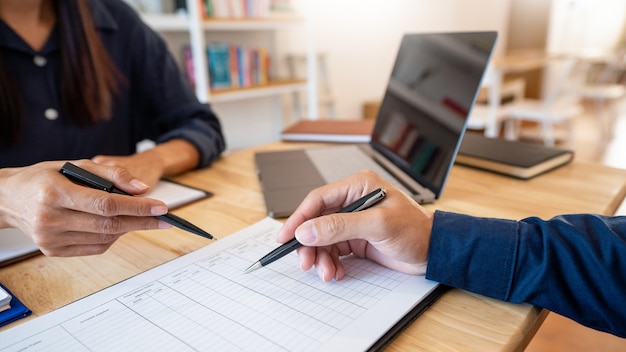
(86, 178)
(290, 246)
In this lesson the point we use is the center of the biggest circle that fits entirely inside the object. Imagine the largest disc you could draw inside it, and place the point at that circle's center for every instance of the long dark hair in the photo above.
(89, 78)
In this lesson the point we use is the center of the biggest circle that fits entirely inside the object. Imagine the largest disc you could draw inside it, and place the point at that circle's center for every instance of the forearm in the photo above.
(574, 265)
(571, 264)
(174, 156)
(475, 254)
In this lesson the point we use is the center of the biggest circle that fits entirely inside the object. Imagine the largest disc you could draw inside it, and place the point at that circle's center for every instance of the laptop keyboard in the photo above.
(338, 162)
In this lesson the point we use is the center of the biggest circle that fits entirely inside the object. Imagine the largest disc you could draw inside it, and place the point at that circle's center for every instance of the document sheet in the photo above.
(203, 301)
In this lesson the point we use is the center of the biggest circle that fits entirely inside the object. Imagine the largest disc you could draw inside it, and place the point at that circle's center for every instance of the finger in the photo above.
(88, 230)
(325, 265)
(307, 257)
(335, 228)
(97, 202)
(314, 205)
(74, 243)
(327, 199)
(339, 268)
(73, 251)
(120, 177)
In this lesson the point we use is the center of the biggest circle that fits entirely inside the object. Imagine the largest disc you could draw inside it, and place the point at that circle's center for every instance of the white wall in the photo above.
(586, 26)
(361, 38)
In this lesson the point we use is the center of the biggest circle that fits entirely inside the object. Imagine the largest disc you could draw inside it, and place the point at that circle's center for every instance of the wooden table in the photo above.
(458, 320)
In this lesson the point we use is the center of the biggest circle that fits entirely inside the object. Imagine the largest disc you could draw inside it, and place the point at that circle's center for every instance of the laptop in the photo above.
(418, 130)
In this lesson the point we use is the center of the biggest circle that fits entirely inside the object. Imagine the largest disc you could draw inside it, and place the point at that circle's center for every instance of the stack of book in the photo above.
(5, 300)
(223, 9)
(231, 66)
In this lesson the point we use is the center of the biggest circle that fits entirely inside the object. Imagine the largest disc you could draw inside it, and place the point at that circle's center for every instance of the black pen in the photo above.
(290, 246)
(88, 179)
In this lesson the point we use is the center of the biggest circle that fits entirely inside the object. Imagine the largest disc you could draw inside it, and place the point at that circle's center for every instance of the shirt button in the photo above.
(40, 61)
(51, 114)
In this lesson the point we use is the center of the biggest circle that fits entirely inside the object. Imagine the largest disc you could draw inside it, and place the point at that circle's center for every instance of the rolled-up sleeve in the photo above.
(166, 101)
(462, 253)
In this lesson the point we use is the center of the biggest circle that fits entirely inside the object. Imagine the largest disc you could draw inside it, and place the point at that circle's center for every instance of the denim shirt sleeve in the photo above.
(571, 264)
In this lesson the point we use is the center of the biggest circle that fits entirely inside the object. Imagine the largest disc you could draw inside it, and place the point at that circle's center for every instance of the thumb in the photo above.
(326, 230)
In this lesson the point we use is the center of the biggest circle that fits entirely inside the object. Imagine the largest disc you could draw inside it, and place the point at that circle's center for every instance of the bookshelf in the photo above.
(198, 27)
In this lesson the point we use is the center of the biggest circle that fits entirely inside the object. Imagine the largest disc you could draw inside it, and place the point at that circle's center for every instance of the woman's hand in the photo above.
(147, 169)
(66, 219)
(395, 232)
(165, 159)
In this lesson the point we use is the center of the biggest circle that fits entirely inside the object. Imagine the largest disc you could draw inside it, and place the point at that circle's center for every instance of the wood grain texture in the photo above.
(457, 321)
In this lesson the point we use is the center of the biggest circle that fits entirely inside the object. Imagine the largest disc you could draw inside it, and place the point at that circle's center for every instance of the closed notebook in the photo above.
(17, 309)
(513, 158)
(338, 131)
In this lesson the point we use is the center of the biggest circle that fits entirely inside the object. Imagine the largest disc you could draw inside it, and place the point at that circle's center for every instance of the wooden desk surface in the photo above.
(458, 320)
(521, 61)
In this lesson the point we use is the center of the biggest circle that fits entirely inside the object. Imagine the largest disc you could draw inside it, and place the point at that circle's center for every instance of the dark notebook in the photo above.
(513, 158)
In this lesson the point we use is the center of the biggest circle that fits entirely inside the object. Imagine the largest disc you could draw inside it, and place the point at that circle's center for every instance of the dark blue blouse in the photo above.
(574, 265)
(156, 103)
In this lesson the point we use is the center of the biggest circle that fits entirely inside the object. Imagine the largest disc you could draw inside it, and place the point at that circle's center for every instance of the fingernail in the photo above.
(321, 273)
(164, 225)
(139, 185)
(306, 233)
(158, 210)
(300, 261)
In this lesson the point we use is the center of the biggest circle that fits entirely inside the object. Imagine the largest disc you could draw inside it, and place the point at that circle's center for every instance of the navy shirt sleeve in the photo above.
(572, 264)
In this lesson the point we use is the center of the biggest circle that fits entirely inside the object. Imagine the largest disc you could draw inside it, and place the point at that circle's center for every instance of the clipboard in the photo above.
(365, 311)
(409, 318)
(176, 195)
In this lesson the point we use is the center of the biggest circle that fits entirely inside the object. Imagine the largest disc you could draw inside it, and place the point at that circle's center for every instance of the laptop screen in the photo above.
(430, 94)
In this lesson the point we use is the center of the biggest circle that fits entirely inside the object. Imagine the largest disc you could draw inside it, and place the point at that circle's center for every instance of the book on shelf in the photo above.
(238, 9)
(188, 69)
(219, 65)
(324, 130)
(513, 158)
(233, 66)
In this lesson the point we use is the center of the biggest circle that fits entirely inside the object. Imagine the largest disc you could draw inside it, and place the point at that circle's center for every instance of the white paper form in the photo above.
(204, 302)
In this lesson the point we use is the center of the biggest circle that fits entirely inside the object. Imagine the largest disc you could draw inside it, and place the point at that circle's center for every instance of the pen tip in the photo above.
(252, 267)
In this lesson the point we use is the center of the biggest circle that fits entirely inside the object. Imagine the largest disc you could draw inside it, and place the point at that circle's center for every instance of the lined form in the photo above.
(203, 301)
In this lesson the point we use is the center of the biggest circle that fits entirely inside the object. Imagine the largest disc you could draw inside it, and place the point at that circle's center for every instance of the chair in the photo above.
(500, 95)
(296, 64)
(605, 91)
(558, 105)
